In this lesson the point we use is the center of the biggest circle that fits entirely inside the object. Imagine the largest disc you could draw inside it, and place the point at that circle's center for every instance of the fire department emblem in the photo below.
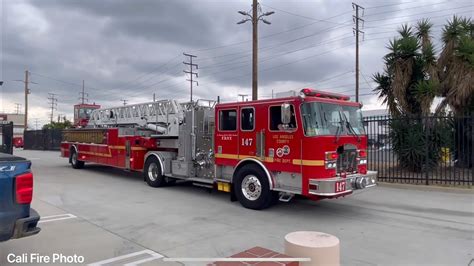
(283, 151)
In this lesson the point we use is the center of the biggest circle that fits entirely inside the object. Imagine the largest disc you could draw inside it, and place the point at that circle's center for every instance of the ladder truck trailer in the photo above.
(312, 144)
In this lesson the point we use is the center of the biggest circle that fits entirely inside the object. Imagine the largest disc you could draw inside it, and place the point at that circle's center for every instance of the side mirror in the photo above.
(285, 113)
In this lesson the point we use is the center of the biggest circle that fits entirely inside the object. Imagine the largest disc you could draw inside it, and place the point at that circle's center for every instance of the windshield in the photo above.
(85, 113)
(325, 119)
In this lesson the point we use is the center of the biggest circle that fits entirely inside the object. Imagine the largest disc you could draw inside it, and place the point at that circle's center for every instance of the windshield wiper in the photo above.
(340, 127)
(350, 127)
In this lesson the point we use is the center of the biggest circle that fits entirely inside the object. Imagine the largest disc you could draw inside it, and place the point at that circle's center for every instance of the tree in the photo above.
(58, 125)
(406, 85)
(413, 77)
(456, 65)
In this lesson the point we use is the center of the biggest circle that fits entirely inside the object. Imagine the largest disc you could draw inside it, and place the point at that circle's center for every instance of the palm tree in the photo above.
(406, 85)
(456, 66)
(413, 76)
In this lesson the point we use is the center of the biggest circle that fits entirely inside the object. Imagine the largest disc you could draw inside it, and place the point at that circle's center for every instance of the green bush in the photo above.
(418, 141)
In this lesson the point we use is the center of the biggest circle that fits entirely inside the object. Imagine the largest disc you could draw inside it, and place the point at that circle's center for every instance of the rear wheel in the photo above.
(76, 164)
(152, 172)
(252, 189)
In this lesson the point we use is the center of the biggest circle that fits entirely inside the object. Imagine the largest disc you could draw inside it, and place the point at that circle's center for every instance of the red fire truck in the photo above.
(312, 144)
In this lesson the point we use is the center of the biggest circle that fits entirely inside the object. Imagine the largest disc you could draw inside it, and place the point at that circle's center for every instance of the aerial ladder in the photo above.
(163, 117)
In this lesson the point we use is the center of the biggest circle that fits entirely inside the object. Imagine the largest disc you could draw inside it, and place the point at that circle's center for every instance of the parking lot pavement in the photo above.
(116, 214)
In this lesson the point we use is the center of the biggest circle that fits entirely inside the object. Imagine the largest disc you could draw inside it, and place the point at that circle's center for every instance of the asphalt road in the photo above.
(112, 215)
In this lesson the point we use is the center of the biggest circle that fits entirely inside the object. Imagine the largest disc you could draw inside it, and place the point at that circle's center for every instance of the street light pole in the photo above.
(256, 16)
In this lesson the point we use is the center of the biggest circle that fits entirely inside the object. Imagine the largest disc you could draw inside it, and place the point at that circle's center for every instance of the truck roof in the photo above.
(290, 99)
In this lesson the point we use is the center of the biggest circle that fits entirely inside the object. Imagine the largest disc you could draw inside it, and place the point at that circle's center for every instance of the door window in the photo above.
(275, 119)
(228, 120)
(247, 119)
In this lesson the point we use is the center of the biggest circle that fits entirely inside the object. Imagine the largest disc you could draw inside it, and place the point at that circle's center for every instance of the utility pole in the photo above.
(191, 72)
(27, 91)
(243, 95)
(356, 18)
(154, 99)
(256, 16)
(83, 94)
(36, 123)
(17, 108)
(26, 81)
(124, 101)
(54, 103)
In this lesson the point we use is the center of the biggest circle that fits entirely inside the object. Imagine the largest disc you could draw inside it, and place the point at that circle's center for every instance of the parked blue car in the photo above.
(17, 219)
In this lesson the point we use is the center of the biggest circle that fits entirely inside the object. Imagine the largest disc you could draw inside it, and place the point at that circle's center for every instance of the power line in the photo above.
(284, 53)
(153, 70)
(403, 9)
(414, 20)
(306, 17)
(424, 13)
(266, 36)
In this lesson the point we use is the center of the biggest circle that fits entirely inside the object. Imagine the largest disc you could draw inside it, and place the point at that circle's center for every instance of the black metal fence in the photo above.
(46, 139)
(434, 150)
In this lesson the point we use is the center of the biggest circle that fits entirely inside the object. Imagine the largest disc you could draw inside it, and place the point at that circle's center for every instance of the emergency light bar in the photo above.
(322, 94)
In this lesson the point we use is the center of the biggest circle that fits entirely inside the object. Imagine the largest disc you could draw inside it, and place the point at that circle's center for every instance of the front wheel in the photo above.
(252, 189)
(76, 164)
(152, 173)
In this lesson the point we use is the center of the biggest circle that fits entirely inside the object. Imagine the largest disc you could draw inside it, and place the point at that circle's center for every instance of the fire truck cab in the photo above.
(82, 113)
(311, 144)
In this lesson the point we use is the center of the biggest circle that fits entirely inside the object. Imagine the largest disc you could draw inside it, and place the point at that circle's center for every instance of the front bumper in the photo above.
(334, 187)
(27, 226)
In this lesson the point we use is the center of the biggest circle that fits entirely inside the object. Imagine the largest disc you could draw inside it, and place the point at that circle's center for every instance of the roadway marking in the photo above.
(139, 254)
(58, 217)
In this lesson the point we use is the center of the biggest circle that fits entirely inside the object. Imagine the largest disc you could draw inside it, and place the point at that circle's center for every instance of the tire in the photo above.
(252, 189)
(75, 163)
(153, 174)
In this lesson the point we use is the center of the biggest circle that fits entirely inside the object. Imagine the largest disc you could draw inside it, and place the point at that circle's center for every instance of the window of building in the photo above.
(247, 119)
(227, 120)
(275, 119)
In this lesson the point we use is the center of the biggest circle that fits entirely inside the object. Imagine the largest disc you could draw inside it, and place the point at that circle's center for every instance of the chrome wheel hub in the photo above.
(153, 171)
(74, 158)
(251, 187)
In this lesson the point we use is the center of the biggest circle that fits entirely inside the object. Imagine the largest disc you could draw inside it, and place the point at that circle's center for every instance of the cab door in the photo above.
(226, 137)
(283, 143)
(247, 137)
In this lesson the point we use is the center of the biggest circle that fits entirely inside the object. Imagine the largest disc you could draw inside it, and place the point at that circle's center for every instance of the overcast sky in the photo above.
(130, 49)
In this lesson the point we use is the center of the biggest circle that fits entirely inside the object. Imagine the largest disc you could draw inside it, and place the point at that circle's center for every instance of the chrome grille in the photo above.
(347, 161)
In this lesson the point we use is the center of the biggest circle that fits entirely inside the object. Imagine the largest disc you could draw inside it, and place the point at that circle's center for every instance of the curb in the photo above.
(427, 188)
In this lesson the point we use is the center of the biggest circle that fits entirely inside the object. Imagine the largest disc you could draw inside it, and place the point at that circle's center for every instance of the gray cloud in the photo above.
(132, 49)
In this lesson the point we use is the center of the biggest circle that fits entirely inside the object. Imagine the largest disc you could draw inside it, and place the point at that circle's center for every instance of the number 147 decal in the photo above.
(247, 141)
